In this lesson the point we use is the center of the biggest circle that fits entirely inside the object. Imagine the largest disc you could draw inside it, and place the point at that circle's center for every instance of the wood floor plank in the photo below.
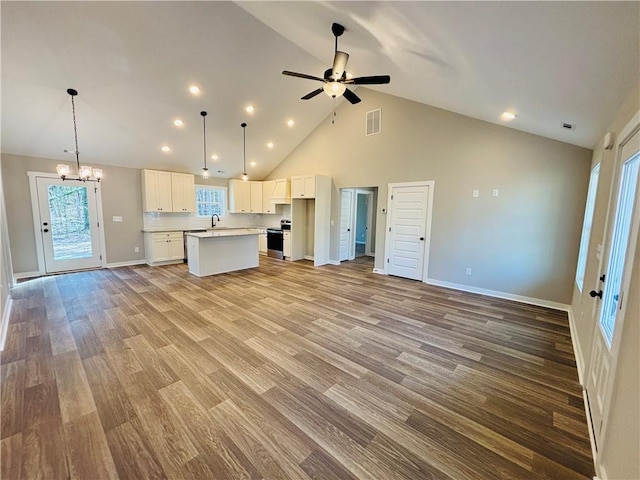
(284, 371)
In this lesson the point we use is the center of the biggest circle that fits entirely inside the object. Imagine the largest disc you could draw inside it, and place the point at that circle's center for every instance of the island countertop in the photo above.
(230, 232)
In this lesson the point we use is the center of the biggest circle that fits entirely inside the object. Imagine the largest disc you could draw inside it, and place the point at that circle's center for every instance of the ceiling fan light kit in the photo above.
(336, 78)
(85, 173)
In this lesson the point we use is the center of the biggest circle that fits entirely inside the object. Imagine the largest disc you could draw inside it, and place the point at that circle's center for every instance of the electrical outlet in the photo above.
(136, 249)
(468, 271)
(475, 193)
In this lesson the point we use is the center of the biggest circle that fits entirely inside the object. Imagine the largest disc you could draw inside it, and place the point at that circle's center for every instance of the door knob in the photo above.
(421, 239)
(594, 294)
(45, 224)
(602, 277)
(45, 230)
(348, 229)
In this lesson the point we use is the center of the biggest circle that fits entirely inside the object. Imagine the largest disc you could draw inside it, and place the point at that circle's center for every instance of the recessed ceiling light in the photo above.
(270, 145)
(253, 163)
(166, 148)
(508, 116)
(214, 157)
(290, 123)
(178, 123)
(194, 89)
(250, 109)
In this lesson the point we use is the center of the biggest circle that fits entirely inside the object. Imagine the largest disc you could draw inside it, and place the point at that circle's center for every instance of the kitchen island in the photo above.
(220, 251)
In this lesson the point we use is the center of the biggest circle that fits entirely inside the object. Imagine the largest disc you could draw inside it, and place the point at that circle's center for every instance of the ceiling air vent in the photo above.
(568, 126)
(374, 122)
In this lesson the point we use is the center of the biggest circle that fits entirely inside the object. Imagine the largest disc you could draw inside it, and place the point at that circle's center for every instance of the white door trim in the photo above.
(369, 193)
(35, 210)
(631, 129)
(426, 183)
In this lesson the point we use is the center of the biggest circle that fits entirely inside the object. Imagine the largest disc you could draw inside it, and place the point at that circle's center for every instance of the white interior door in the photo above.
(68, 213)
(407, 230)
(621, 247)
(347, 244)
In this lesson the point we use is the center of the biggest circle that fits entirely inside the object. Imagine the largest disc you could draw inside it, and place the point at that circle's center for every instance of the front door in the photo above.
(621, 246)
(407, 230)
(68, 212)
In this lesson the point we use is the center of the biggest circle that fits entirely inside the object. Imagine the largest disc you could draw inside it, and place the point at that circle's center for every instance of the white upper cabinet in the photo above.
(168, 191)
(267, 192)
(183, 192)
(239, 196)
(256, 197)
(303, 186)
(156, 191)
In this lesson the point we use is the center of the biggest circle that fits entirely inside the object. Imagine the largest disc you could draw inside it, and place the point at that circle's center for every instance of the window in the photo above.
(211, 201)
(586, 226)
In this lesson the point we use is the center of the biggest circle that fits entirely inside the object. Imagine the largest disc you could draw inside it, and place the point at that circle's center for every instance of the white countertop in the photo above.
(229, 232)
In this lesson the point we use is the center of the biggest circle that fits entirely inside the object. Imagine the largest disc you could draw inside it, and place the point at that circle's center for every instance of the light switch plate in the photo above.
(475, 193)
(117, 218)
(495, 192)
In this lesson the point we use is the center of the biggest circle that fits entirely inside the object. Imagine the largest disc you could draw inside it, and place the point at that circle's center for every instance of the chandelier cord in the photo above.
(75, 131)
(244, 148)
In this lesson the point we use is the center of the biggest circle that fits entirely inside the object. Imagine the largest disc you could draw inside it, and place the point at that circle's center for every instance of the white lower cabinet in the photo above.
(262, 242)
(286, 247)
(163, 247)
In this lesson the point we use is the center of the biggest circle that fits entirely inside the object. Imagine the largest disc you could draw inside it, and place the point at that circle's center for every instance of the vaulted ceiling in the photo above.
(133, 62)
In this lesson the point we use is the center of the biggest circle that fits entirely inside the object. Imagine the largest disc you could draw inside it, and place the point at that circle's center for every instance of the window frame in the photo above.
(587, 225)
(213, 188)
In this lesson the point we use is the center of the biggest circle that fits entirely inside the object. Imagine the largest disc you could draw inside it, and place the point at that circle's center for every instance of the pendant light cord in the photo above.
(244, 148)
(204, 138)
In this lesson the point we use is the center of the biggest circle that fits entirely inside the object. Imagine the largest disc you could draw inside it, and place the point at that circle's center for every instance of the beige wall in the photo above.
(120, 196)
(6, 278)
(524, 242)
(620, 452)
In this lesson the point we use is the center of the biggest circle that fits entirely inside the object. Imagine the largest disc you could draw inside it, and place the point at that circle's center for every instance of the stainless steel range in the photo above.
(275, 240)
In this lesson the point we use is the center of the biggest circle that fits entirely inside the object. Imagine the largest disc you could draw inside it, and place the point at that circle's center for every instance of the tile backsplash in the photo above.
(190, 220)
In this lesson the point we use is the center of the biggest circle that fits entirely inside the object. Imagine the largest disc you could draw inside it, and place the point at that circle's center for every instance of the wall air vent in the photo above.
(568, 126)
(374, 122)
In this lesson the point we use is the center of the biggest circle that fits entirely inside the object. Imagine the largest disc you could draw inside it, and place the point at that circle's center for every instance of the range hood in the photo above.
(282, 192)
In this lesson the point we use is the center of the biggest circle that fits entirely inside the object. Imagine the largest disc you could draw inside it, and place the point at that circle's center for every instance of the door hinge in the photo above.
(387, 260)
(100, 257)
(389, 228)
(98, 224)
(391, 197)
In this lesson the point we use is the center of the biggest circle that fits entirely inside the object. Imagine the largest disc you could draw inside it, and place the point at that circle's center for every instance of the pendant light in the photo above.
(205, 170)
(84, 172)
(245, 176)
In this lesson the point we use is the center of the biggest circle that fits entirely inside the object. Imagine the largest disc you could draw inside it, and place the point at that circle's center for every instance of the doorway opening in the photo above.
(357, 222)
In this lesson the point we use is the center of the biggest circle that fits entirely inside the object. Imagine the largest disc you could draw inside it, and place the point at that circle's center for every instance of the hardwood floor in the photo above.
(284, 371)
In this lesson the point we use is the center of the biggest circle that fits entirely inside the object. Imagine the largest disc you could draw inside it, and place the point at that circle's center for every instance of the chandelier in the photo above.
(84, 172)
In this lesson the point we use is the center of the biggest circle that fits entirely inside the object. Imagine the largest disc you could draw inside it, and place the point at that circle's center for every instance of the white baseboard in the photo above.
(4, 322)
(125, 264)
(592, 440)
(493, 293)
(23, 275)
(333, 262)
(379, 271)
(577, 351)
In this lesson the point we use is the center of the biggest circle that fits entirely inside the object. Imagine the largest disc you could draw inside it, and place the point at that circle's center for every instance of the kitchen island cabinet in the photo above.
(214, 252)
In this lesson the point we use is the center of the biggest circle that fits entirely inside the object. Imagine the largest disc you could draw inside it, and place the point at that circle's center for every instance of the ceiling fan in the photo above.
(336, 78)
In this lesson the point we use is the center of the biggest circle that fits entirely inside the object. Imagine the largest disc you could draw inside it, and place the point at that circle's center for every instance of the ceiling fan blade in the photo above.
(302, 75)
(311, 94)
(373, 80)
(351, 97)
(339, 65)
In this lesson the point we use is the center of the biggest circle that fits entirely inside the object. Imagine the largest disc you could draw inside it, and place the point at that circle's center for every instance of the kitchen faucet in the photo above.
(218, 219)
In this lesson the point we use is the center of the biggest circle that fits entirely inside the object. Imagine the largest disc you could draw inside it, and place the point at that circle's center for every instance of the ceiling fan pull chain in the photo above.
(333, 119)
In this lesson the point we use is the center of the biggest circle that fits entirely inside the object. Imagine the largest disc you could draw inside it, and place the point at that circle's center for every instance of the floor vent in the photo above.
(374, 122)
